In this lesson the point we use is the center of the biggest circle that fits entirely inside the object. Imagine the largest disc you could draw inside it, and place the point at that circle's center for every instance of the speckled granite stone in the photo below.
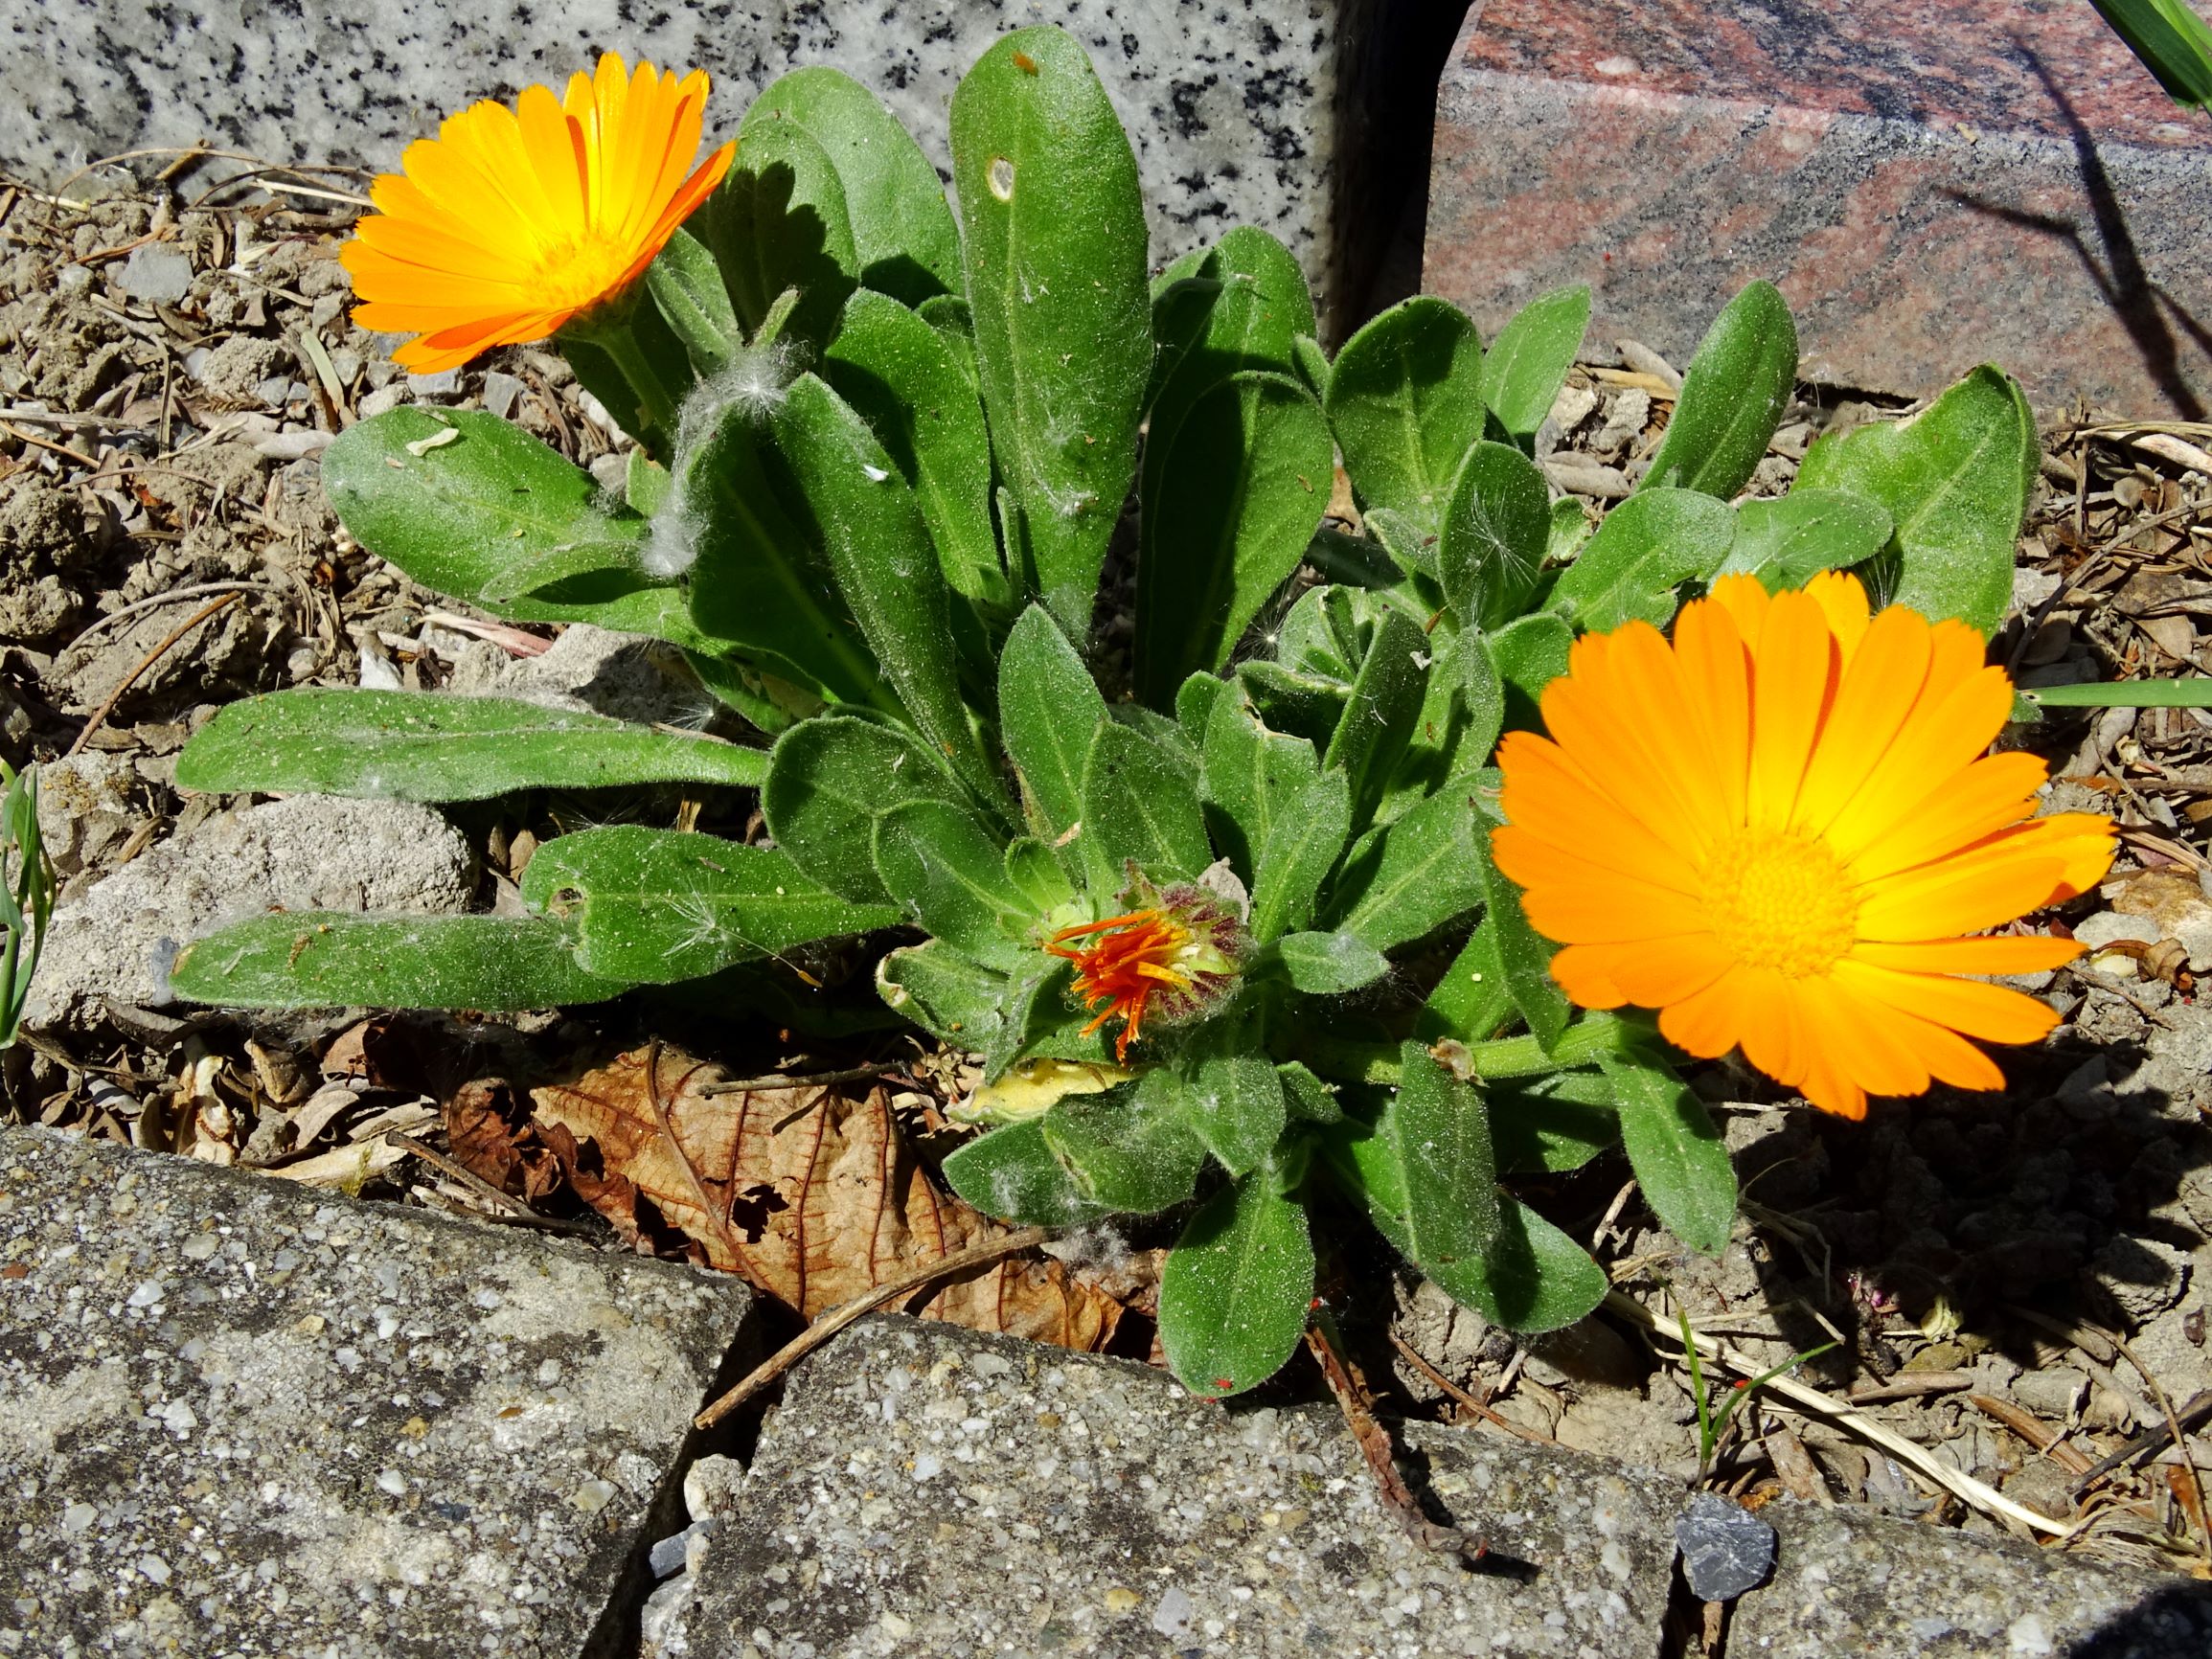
(1241, 113)
(239, 1418)
(930, 1491)
(1848, 1581)
(1932, 183)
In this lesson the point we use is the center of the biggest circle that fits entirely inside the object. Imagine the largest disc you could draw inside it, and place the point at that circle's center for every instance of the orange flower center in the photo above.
(1781, 902)
(579, 270)
(1133, 956)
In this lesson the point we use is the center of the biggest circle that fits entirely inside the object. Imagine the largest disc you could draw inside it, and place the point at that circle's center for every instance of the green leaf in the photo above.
(1532, 1278)
(1648, 545)
(1013, 1174)
(429, 746)
(1131, 1149)
(1529, 654)
(1055, 243)
(1139, 807)
(869, 521)
(1528, 361)
(1955, 479)
(1310, 1099)
(625, 353)
(756, 577)
(948, 873)
(1496, 530)
(828, 779)
(1571, 528)
(1240, 491)
(1304, 842)
(2194, 693)
(1306, 706)
(1472, 1002)
(2172, 41)
(1551, 1125)
(904, 239)
(1787, 542)
(1237, 1286)
(686, 285)
(1381, 710)
(1524, 956)
(1194, 704)
(1469, 670)
(1243, 306)
(1235, 1104)
(781, 220)
(1049, 712)
(1329, 963)
(1732, 398)
(1416, 875)
(495, 511)
(957, 1000)
(901, 377)
(1405, 403)
(1312, 366)
(655, 907)
(1435, 1132)
(771, 704)
(1248, 776)
(1037, 873)
(339, 959)
(1677, 1151)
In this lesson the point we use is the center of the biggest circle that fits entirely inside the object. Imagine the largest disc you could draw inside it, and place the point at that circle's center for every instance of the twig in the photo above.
(177, 596)
(867, 1302)
(2192, 1416)
(1463, 1399)
(779, 1081)
(1841, 1411)
(1352, 1397)
(2195, 1497)
(100, 714)
(2046, 1439)
(484, 1189)
(37, 442)
(1912, 1385)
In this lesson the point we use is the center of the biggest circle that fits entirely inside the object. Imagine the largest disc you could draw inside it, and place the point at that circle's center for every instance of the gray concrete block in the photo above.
(1245, 114)
(1849, 1581)
(237, 1417)
(928, 1491)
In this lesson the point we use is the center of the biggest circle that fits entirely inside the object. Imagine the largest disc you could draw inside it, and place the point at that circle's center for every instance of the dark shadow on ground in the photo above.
(2174, 1624)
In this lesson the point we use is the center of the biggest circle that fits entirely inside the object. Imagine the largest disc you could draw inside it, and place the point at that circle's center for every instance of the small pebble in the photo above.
(1726, 1550)
(158, 275)
(500, 393)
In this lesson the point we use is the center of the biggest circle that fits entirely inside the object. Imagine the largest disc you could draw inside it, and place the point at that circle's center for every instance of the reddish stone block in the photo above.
(1931, 183)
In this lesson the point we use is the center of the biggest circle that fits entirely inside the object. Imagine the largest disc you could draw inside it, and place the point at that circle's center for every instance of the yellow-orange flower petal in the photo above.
(1782, 830)
(512, 220)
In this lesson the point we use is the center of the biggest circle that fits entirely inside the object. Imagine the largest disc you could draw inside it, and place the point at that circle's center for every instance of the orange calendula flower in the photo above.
(512, 220)
(1781, 831)
(1178, 953)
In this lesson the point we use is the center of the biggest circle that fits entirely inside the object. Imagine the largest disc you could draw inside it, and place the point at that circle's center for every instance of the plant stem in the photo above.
(1519, 1057)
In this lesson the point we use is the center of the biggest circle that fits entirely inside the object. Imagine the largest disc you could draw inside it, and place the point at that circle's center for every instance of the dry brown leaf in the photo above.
(809, 1195)
(490, 1136)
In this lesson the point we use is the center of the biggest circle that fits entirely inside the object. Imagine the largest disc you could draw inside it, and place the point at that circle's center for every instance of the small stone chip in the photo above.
(1121, 1601)
(1726, 1550)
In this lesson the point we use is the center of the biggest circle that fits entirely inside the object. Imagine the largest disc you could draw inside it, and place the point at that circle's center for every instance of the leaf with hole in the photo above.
(1055, 243)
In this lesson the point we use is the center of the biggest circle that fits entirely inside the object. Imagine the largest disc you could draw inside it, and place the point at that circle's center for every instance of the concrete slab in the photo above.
(1247, 114)
(241, 1419)
(1932, 184)
(1851, 1581)
(928, 1491)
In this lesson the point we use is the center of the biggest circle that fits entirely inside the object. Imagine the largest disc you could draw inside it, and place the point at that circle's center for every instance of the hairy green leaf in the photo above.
(1329, 963)
(1733, 395)
(1787, 542)
(828, 779)
(1236, 1290)
(1680, 1158)
(1049, 712)
(339, 959)
(1648, 546)
(948, 873)
(1014, 1174)
(1496, 530)
(1527, 363)
(1405, 404)
(1131, 1149)
(1140, 809)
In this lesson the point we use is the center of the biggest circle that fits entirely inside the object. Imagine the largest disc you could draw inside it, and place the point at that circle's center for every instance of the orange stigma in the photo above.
(1133, 957)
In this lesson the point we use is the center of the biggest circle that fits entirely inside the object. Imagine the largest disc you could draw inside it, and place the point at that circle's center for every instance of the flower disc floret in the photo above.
(514, 221)
(1782, 830)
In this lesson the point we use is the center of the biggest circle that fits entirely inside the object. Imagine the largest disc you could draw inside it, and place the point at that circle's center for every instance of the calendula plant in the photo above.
(1247, 927)
(26, 894)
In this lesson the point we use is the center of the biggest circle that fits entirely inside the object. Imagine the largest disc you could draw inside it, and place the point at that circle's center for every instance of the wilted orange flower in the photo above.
(510, 221)
(1780, 830)
(1181, 953)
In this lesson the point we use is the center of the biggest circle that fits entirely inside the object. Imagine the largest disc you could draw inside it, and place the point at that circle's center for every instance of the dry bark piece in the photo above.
(810, 1195)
